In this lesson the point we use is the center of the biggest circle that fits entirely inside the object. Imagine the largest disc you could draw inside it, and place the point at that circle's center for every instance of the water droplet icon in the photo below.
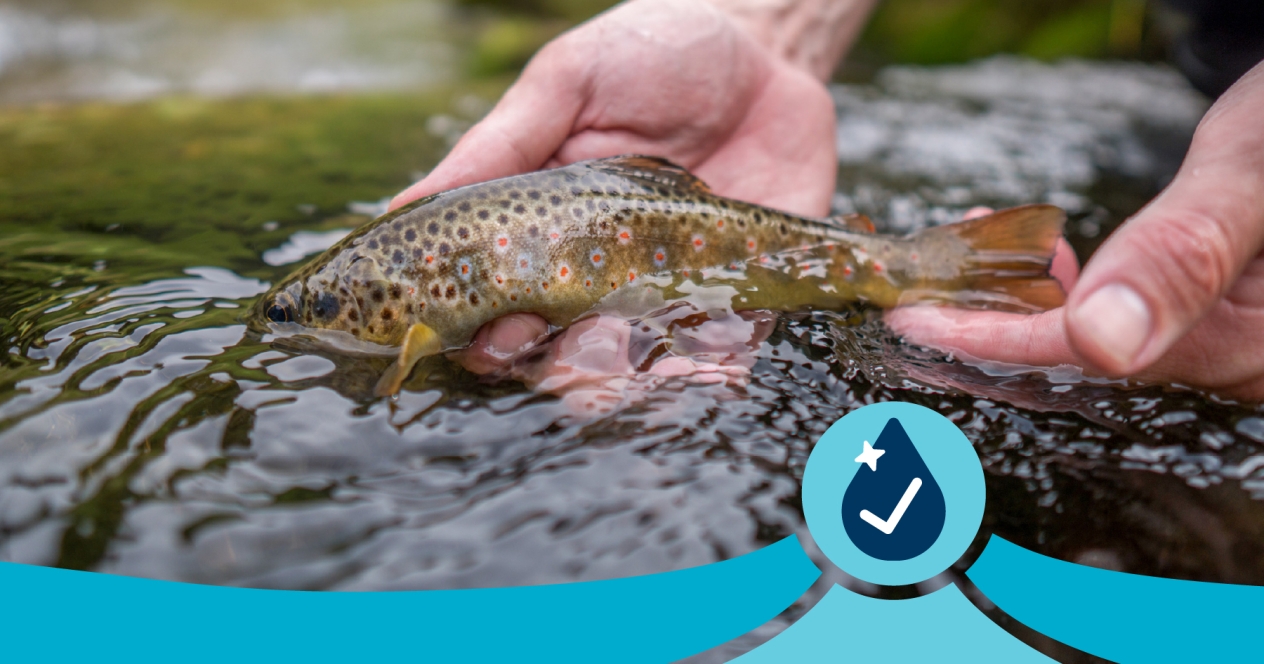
(893, 508)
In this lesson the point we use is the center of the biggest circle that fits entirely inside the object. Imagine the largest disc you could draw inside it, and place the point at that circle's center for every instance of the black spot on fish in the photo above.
(408, 307)
(503, 219)
(505, 203)
(387, 314)
(590, 205)
(355, 331)
(533, 195)
(520, 208)
(451, 292)
(450, 215)
(353, 315)
(515, 194)
(398, 256)
(410, 235)
(759, 217)
(417, 253)
(533, 231)
(428, 245)
(434, 290)
(578, 213)
(433, 228)
(463, 232)
(388, 271)
(557, 200)
(464, 206)
(483, 214)
(373, 244)
(378, 295)
(541, 210)
(783, 229)
(474, 299)
(575, 191)
(396, 291)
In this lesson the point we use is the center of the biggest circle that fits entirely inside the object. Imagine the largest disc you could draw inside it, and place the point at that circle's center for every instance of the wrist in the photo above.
(810, 34)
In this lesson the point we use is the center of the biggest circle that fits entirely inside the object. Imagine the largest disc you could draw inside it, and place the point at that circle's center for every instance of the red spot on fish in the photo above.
(719, 224)
(412, 291)
(631, 276)
(465, 269)
(528, 290)
(500, 279)
(523, 263)
(685, 272)
(588, 283)
(429, 260)
(877, 266)
(763, 259)
(698, 242)
(504, 241)
(564, 271)
(914, 257)
(660, 257)
(750, 245)
(544, 285)
(625, 235)
(596, 258)
(554, 236)
(847, 270)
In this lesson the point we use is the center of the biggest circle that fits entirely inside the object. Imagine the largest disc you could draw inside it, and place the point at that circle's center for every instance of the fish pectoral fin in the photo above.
(653, 169)
(858, 223)
(421, 341)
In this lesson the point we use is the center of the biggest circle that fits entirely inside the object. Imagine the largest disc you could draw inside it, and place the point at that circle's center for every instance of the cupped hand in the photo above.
(604, 361)
(1175, 295)
(672, 78)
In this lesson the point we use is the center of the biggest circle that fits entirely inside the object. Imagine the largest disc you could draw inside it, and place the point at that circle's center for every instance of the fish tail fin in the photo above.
(1007, 259)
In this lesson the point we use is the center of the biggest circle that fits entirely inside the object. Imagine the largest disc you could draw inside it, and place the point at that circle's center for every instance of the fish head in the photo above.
(349, 294)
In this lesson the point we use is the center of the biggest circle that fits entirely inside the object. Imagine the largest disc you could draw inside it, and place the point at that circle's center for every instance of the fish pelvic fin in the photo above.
(421, 341)
(1006, 261)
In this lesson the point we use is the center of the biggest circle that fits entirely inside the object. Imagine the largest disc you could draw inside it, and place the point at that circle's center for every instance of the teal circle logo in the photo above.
(893, 493)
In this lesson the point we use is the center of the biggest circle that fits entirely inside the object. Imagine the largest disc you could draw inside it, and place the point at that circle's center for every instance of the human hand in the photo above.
(680, 79)
(1176, 294)
(677, 79)
(605, 361)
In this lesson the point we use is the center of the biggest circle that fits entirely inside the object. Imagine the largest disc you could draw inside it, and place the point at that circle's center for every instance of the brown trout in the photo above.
(625, 234)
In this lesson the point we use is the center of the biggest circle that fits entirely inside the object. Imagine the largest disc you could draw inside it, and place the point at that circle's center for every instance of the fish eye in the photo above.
(279, 314)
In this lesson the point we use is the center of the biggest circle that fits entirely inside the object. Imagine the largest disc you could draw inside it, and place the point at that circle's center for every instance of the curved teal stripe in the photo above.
(1118, 616)
(940, 627)
(82, 616)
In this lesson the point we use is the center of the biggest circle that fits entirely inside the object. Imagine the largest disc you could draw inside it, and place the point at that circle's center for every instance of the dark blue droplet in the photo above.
(900, 472)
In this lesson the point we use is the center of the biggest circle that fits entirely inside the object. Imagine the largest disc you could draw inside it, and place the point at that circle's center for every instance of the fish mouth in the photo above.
(312, 338)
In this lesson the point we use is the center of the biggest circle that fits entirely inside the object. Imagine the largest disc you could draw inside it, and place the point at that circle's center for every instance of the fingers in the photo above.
(1168, 266)
(497, 343)
(521, 133)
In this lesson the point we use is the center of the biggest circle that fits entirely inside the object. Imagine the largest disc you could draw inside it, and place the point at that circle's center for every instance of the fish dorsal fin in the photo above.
(857, 223)
(652, 169)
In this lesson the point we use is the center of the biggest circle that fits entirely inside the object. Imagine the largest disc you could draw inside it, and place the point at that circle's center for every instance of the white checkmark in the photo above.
(887, 527)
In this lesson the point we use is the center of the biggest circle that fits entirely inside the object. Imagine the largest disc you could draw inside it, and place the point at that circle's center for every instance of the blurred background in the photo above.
(130, 49)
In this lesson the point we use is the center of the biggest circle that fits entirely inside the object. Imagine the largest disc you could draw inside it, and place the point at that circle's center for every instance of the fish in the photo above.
(626, 234)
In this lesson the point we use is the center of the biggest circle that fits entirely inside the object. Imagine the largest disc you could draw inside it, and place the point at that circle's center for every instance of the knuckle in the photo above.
(1198, 254)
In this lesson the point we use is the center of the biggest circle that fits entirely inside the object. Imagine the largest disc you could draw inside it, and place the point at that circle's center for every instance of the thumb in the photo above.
(1164, 269)
(531, 121)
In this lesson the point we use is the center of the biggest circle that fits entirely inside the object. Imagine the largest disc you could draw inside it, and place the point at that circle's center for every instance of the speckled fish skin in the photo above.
(556, 242)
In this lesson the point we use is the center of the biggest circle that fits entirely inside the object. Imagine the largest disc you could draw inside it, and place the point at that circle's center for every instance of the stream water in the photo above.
(144, 432)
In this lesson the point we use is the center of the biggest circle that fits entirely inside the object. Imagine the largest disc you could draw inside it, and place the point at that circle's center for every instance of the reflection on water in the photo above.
(144, 431)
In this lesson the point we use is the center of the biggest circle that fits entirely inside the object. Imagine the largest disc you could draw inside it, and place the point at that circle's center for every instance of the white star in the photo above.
(870, 456)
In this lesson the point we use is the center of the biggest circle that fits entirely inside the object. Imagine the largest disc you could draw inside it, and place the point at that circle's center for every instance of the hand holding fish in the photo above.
(683, 79)
(1175, 295)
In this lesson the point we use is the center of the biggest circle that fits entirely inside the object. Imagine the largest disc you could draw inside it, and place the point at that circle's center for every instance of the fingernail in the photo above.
(1117, 321)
